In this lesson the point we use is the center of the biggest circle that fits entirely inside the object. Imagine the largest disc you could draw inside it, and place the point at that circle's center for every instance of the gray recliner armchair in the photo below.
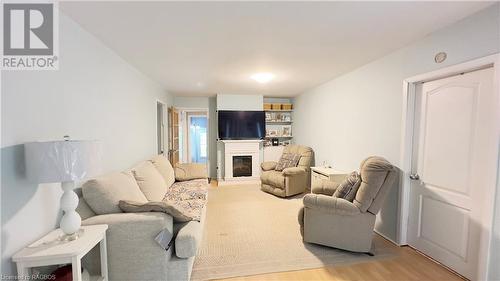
(290, 181)
(338, 223)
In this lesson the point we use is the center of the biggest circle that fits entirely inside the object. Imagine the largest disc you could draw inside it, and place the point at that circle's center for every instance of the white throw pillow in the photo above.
(104, 193)
(150, 181)
(165, 168)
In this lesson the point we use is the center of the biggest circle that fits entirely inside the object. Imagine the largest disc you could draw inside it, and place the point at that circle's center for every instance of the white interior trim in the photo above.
(406, 145)
(183, 115)
(165, 125)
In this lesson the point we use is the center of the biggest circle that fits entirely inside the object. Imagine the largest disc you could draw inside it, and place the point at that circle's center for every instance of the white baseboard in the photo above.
(388, 239)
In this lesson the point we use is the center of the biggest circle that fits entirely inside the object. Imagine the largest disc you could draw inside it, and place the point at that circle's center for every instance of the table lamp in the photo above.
(64, 161)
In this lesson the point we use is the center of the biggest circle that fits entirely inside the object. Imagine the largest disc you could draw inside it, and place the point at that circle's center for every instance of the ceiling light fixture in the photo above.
(263, 77)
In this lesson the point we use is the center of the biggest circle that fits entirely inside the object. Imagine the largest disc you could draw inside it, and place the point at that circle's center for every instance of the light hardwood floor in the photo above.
(408, 265)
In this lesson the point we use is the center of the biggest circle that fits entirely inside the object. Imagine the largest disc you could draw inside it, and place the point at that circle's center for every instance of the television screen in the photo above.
(240, 125)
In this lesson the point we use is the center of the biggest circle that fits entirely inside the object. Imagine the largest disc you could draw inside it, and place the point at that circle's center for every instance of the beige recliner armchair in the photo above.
(292, 180)
(338, 223)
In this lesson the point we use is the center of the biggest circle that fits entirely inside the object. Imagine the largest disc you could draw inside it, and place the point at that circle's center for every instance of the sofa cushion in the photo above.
(273, 178)
(374, 171)
(165, 207)
(103, 193)
(150, 181)
(188, 190)
(166, 170)
(349, 187)
(287, 160)
(190, 171)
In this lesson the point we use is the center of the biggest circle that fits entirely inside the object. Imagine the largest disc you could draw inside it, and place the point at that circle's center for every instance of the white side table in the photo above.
(322, 173)
(50, 250)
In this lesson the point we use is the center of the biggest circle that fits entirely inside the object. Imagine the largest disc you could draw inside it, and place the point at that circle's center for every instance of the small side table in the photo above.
(322, 173)
(50, 250)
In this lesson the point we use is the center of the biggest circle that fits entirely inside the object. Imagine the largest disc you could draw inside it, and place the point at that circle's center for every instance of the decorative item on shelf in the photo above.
(272, 133)
(286, 117)
(269, 117)
(286, 106)
(267, 142)
(286, 142)
(286, 131)
(267, 106)
(275, 142)
(276, 106)
(64, 161)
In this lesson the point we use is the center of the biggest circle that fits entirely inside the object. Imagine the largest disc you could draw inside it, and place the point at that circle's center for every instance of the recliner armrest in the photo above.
(327, 187)
(293, 171)
(268, 165)
(330, 204)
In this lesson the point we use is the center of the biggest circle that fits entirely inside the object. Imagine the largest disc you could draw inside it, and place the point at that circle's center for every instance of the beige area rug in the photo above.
(250, 232)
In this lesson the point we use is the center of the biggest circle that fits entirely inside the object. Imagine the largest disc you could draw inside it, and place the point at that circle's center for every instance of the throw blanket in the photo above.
(189, 197)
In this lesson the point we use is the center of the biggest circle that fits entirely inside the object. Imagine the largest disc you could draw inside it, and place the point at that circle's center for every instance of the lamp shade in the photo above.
(62, 161)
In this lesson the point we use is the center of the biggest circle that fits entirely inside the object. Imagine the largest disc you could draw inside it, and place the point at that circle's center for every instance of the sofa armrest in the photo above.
(330, 204)
(294, 171)
(188, 238)
(190, 171)
(131, 245)
(327, 187)
(268, 165)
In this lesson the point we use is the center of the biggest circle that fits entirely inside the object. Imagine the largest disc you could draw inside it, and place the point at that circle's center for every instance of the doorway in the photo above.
(193, 137)
(450, 139)
(160, 127)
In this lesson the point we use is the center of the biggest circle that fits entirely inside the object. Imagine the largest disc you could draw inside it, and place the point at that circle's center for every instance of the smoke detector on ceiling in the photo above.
(440, 57)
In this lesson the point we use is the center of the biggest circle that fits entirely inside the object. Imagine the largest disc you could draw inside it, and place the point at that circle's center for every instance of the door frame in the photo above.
(190, 114)
(408, 116)
(164, 126)
(207, 111)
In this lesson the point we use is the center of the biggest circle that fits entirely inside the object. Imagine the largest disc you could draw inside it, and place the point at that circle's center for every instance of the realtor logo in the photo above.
(29, 36)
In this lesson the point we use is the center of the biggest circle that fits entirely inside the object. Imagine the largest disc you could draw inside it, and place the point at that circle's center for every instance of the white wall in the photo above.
(191, 102)
(240, 102)
(94, 95)
(359, 114)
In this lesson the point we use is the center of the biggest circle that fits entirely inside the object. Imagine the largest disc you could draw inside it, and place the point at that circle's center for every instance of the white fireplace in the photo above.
(241, 161)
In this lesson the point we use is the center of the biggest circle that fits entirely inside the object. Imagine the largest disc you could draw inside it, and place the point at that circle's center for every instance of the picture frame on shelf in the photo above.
(269, 116)
(275, 142)
(271, 133)
(286, 142)
(286, 131)
(286, 118)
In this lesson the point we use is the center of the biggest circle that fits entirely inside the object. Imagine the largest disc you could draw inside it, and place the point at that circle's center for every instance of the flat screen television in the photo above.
(241, 125)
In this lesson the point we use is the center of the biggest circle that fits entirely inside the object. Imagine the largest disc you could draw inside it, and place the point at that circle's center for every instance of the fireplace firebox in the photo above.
(242, 166)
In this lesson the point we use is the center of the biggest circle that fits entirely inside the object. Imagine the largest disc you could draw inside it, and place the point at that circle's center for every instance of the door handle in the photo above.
(414, 177)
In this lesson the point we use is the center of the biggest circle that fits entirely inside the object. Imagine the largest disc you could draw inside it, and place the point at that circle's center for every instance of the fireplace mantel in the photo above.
(241, 148)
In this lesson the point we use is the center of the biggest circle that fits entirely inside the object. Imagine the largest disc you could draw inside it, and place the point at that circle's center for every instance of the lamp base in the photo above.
(71, 221)
(72, 237)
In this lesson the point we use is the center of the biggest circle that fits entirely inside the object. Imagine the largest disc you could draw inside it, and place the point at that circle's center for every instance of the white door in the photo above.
(454, 129)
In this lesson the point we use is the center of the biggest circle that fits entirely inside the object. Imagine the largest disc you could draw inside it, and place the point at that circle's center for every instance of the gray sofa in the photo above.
(133, 253)
(342, 224)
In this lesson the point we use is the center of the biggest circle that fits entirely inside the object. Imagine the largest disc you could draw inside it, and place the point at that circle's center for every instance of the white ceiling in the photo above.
(205, 48)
